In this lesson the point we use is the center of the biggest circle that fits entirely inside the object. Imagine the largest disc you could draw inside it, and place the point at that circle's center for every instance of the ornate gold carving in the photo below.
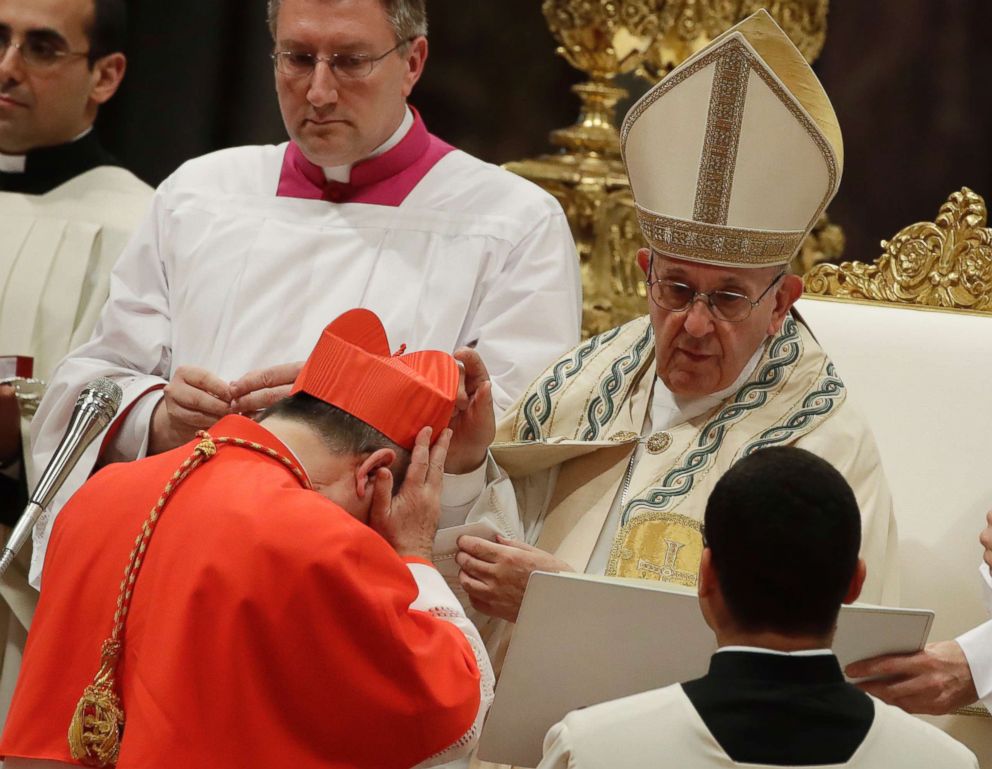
(824, 244)
(804, 21)
(613, 284)
(686, 26)
(946, 263)
(603, 38)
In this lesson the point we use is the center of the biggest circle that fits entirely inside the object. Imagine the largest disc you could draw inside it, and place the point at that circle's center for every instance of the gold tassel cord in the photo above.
(97, 725)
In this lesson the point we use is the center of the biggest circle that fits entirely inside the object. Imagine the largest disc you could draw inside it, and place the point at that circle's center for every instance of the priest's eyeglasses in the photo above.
(353, 66)
(37, 51)
(730, 306)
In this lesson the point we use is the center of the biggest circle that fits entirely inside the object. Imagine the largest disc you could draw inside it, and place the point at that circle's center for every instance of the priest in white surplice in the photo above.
(781, 555)
(247, 253)
(67, 209)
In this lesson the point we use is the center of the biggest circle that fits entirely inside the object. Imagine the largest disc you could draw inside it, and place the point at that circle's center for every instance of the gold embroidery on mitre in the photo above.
(723, 133)
(717, 244)
(660, 546)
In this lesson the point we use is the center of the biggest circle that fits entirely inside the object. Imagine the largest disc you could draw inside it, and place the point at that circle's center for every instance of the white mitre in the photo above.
(734, 156)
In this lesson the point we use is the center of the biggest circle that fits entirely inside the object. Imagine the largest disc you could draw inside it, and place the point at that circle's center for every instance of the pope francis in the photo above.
(604, 465)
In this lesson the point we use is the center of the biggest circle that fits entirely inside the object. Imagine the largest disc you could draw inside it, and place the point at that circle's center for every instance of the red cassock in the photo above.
(268, 627)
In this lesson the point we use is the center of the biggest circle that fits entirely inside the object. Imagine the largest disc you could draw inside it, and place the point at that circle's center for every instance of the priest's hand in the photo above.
(934, 681)
(194, 400)
(474, 421)
(259, 389)
(986, 539)
(495, 574)
(408, 520)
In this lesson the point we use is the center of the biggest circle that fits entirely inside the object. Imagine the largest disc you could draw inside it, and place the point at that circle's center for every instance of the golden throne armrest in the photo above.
(945, 264)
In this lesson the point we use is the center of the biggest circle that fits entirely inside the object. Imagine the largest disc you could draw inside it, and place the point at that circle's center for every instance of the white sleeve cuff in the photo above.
(977, 647)
(462, 490)
(131, 442)
(434, 591)
(986, 585)
(437, 599)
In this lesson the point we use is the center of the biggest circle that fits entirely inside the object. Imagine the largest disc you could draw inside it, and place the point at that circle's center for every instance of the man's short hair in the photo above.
(108, 32)
(408, 17)
(784, 531)
(341, 432)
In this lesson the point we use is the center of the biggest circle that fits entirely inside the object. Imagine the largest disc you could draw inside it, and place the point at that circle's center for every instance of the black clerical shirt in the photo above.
(781, 710)
(49, 167)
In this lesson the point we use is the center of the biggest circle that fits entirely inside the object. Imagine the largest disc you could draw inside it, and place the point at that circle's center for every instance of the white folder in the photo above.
(581, 640)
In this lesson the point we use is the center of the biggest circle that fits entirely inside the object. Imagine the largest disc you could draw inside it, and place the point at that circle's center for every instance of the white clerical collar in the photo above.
(343, 173)
(777, 652)
(13, 164)
(668, 409)
(17, 164)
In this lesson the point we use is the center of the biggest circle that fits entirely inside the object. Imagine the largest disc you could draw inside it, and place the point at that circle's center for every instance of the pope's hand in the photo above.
(495, 574)
(259, 389)
(408, 520)
(474, 420)
(986, 539)
(934, 681)
(194, 400)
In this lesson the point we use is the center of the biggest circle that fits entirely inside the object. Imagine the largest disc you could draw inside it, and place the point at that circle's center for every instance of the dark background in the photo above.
(906, 78)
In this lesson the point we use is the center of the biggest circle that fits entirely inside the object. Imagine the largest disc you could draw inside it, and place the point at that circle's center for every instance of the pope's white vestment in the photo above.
(600, 465)
(225, 275)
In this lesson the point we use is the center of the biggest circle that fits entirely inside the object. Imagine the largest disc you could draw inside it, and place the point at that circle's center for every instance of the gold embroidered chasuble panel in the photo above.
(586, 413)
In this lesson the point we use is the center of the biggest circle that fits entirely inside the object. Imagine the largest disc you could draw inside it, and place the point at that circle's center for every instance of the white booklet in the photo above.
(581, 640)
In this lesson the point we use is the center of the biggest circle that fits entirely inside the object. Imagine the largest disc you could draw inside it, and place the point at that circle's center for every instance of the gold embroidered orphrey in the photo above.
(723, 134)
(660, 546)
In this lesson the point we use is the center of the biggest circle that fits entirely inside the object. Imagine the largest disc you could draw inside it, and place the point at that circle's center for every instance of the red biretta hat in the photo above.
(352, 368)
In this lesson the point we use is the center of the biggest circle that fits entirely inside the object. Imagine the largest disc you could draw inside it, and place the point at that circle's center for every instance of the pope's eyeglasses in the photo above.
(37, 51)
(730, 306)
(353, 66)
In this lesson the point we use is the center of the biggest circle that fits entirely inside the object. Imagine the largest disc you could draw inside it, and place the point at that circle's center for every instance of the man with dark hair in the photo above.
(280, 609)
(66, 210)
(108, 31)
(363, 206)
(782, 532)
(802, 587)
